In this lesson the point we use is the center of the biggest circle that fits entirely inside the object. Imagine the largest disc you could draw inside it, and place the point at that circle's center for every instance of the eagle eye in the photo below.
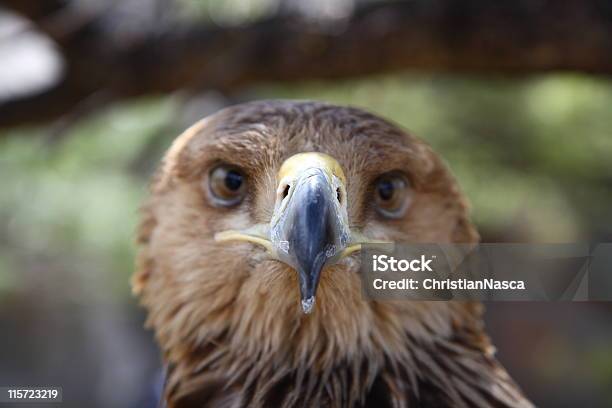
(226, 185)
(392, 195)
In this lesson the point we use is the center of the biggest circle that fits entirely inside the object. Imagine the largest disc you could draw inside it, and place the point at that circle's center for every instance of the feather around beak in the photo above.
(309, 228)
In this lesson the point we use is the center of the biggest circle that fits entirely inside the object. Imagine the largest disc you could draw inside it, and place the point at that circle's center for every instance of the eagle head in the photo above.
(248, 261)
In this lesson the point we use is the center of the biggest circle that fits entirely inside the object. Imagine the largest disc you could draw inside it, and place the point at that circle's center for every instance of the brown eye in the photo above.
(226, 185)
(392, 195)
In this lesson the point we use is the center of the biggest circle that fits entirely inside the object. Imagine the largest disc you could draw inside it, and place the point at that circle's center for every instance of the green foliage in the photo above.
(77, 198)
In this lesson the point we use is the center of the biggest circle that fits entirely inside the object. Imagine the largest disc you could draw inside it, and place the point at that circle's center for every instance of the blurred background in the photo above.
(516, 96)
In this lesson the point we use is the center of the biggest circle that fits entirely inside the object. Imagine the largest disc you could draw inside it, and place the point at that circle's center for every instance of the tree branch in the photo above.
(474, 36)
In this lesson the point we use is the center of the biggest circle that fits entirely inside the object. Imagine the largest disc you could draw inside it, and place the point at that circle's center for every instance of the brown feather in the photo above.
(228, 319)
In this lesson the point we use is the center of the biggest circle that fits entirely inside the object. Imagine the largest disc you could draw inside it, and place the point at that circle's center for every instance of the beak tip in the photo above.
(308, 304)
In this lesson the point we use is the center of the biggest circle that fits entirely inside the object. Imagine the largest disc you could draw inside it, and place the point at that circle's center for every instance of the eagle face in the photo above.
(259, 210)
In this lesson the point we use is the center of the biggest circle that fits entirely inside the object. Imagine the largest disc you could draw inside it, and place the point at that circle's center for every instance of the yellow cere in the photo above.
(302, 161)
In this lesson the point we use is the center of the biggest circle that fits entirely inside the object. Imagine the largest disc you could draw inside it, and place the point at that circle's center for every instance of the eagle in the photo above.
(248, 266)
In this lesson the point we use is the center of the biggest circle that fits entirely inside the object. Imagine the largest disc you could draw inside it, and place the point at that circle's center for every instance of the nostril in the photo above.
(286, 191)
(339, 195)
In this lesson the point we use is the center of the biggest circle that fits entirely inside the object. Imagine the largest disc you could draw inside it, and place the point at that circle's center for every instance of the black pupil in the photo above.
(233, 180)
(386, 189)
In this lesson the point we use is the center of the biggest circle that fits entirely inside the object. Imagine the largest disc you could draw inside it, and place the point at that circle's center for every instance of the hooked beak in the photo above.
(309, 228)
